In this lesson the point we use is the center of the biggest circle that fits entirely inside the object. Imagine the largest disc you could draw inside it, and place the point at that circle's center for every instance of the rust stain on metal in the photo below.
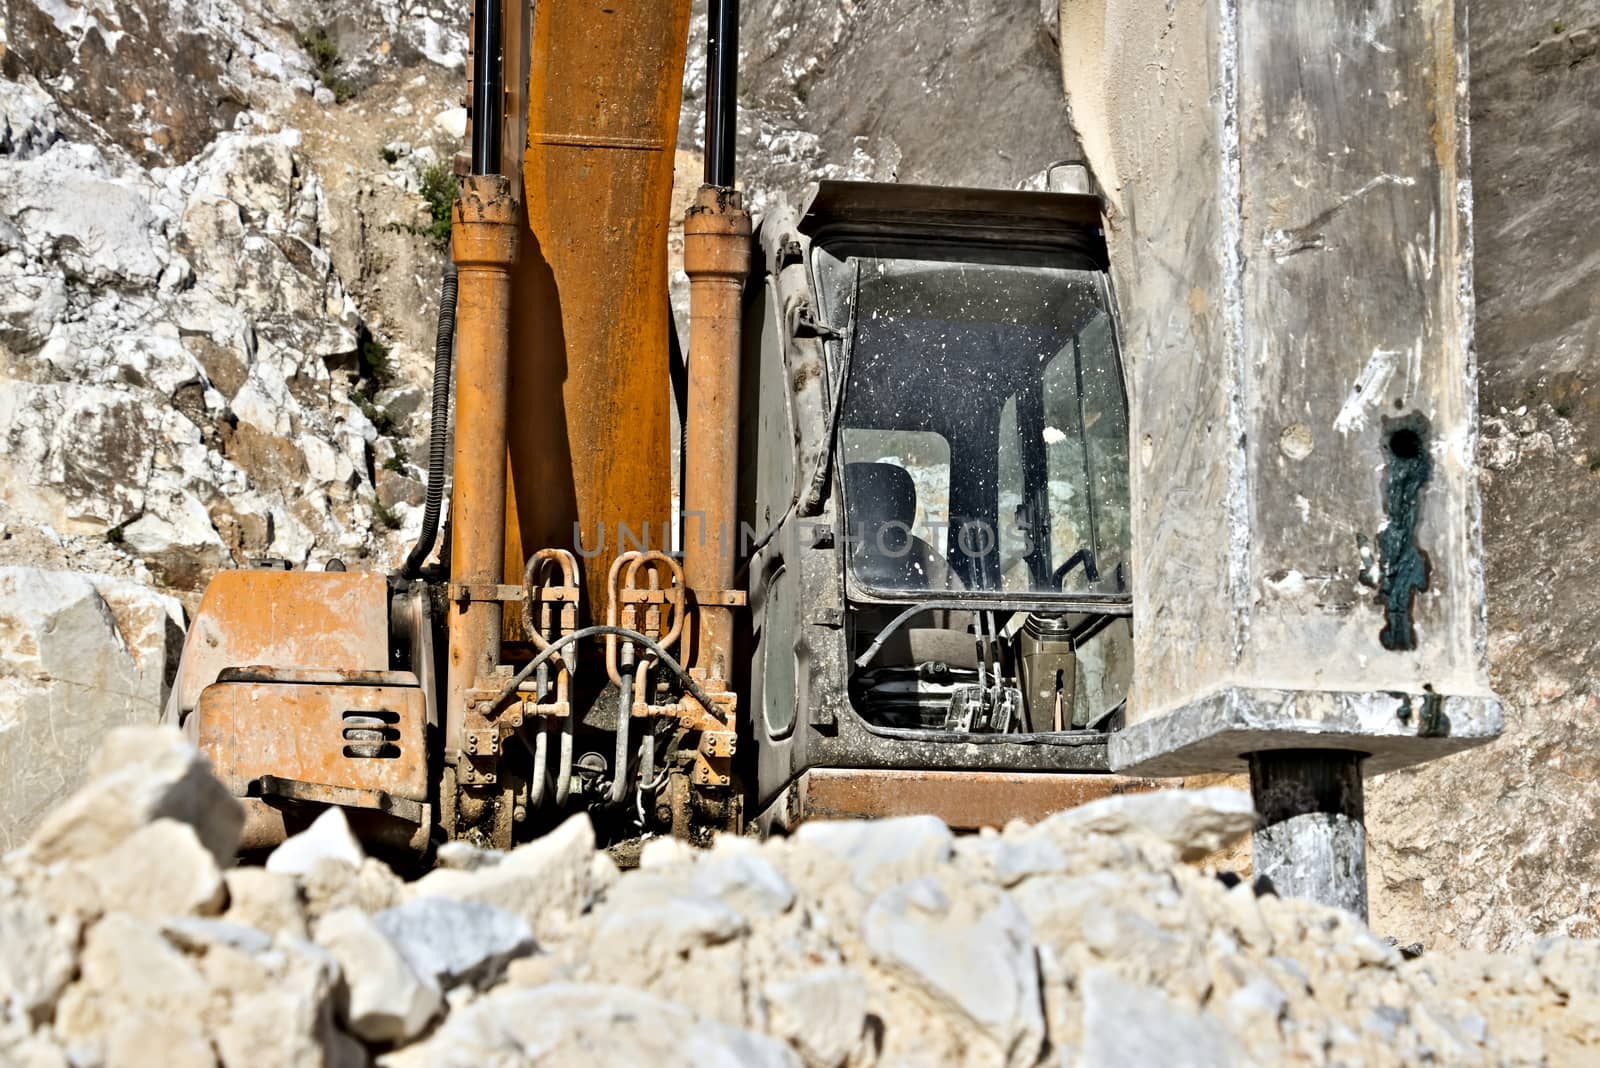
(306, 731)
(285, 618)
(550, 607)
(267, 823)
(644, 592)
(318, 676)
(550, 596)
(484, 241)
(716, 257)
(966, 800)
(590, 313)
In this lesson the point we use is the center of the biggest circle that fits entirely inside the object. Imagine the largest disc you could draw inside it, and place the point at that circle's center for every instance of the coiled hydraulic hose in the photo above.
(665, 658)
(624, 703)
(439, 430)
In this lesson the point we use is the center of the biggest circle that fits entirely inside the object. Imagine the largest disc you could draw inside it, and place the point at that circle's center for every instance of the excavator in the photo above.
(894, 577)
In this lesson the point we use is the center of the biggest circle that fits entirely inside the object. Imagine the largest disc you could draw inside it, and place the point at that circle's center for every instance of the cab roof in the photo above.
(999, 215)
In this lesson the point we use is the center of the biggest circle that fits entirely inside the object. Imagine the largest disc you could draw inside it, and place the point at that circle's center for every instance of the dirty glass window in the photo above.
(1086, 450)
(1014, 368)
(1013, 539)
(925, 457)
(1105, 435)
(899, 537)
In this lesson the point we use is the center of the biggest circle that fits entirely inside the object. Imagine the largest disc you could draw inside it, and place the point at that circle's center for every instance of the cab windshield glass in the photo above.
(983, 441)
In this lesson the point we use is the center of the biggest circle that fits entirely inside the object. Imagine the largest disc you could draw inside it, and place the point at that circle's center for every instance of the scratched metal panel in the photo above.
(589, 445)
(298, 619)
(298, 731)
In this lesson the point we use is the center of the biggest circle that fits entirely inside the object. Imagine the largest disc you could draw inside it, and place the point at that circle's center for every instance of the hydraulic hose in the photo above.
(552, 650)
(624, 705)
(439, 430)
(619, 777)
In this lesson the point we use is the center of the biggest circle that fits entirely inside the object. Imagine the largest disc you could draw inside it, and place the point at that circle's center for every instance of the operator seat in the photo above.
(881, 501)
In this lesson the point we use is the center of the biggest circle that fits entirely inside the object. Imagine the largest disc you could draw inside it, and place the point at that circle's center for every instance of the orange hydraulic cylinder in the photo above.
(484, 240)
(716, 257)
(590, 450)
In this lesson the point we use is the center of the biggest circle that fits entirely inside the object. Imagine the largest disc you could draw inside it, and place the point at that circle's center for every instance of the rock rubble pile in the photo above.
(131, 937)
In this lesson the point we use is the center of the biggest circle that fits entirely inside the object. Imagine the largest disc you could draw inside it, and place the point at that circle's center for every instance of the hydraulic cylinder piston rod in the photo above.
(488, 85)
(722, 91)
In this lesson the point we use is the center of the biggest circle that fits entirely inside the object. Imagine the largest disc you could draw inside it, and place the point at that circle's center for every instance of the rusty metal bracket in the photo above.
(721, 598)
(719, 744)
(297, 790)
(484, 708)
(478, 763)
(713, 758)
(708, 774)
(465, 593)
(469, 775)
(482, 742)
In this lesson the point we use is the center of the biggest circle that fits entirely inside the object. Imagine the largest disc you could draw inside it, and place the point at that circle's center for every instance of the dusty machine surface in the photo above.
(939, 425)
(900, 579)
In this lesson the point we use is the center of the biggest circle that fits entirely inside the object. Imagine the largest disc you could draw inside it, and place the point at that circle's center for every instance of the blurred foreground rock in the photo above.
(1084, 940)
(79, 656)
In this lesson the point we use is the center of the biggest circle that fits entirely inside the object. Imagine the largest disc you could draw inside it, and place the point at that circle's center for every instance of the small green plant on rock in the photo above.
(324, 52)
(439, 186)
(380, 418)
(375, 370)
(385, 516)
(321, 47)
(377, 361)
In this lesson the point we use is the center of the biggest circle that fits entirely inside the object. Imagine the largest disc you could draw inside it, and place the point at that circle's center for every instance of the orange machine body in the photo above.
(589, 437)
(285, 684)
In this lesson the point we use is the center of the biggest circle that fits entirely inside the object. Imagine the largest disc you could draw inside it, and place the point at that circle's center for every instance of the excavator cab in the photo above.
(938, 418)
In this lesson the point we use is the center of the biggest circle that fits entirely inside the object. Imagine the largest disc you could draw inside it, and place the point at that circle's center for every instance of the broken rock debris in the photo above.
(1084, 940)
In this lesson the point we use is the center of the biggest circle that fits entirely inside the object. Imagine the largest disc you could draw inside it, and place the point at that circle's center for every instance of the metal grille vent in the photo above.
(371, 734)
